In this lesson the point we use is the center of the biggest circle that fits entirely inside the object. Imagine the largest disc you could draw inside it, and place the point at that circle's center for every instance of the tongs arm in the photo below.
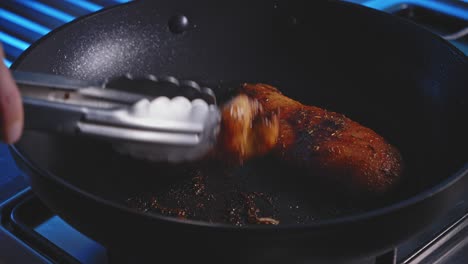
(56, 103)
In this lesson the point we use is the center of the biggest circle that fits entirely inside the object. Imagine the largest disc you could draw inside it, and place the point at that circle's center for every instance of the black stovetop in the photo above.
(30, 233)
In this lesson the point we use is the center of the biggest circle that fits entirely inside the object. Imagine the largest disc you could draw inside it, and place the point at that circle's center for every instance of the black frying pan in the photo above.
(388, 74)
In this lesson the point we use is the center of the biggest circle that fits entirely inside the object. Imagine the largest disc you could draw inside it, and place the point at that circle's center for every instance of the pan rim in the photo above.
(414, 199)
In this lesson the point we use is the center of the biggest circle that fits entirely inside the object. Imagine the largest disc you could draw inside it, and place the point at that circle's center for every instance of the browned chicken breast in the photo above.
(324, 144)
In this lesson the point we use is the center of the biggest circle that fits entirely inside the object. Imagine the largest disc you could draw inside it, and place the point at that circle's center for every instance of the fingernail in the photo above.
(14, 132)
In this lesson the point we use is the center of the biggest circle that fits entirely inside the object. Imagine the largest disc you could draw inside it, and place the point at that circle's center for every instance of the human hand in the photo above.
(11, 106)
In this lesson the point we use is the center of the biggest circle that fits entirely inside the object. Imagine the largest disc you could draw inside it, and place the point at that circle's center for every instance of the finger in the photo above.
(11, 106)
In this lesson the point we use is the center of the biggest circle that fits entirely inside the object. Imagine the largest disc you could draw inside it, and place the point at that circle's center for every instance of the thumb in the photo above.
(11, 106)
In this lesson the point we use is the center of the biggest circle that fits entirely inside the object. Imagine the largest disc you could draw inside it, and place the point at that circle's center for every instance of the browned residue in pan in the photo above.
(194, 200)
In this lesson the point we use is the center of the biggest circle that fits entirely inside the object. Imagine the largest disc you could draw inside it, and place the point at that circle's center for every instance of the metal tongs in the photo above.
(171, 121)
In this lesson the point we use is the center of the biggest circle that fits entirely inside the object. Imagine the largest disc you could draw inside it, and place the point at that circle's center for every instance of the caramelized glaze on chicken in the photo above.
(323, 144)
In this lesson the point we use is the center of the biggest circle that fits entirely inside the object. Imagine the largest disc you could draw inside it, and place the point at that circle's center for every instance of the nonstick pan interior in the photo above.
(373, 69)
